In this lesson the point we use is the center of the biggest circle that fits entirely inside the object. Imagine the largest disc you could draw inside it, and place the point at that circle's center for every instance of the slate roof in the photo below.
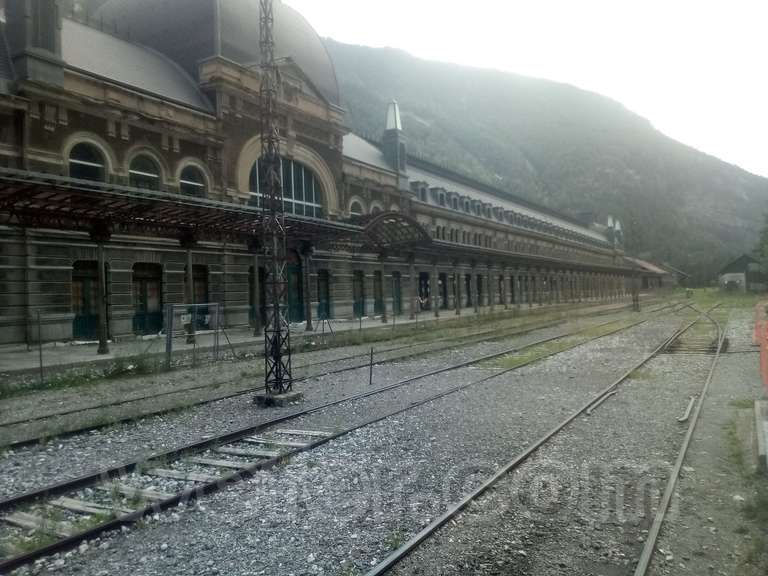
(97, 53)
(647, 266)
(739, 265)
(361, 150)
(188, 31)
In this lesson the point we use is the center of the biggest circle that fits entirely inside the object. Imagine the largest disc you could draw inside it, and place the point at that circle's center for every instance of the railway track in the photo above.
(398, 555)
(383, 356)
(72, 511)
(693, 418)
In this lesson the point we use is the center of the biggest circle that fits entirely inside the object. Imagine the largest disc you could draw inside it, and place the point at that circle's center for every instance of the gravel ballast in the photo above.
(58, 459)
(340, 508)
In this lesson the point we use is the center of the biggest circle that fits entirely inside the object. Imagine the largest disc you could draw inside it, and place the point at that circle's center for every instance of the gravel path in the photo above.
(340, 508)
(27, 468)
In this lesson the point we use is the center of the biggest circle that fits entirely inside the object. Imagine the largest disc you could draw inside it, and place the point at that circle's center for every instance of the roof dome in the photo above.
(189, 32)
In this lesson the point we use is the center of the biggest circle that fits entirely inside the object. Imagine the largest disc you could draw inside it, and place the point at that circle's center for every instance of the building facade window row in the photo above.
(87, 161)
(478, 208)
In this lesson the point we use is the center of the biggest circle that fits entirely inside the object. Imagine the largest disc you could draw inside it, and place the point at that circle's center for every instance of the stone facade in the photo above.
(479, 247)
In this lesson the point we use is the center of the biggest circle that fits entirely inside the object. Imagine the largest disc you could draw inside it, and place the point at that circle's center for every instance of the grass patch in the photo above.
(531, 354)
(42, 536)
(704, 298)
(120, 367)
(394, 540)
(86, 523)
(743, 404)
(554, 347)
(755, 509)
(642, 374)
(30, 542)
(349, 569)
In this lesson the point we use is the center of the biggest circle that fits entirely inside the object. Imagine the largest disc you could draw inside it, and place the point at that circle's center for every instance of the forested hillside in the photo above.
(567, 148)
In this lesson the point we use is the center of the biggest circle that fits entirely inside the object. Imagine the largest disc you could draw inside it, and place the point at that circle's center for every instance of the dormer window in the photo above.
(423, 194)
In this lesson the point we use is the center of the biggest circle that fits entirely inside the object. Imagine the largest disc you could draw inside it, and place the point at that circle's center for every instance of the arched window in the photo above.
(144, 173)
(355, 209)
(86, 162)
(192, 181)
(302, 192)
(376, 210)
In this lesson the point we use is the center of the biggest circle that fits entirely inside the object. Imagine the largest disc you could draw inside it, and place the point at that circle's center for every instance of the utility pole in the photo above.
(277, 338)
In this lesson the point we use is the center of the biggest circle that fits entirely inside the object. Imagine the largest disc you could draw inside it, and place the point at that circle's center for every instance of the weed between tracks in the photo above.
(394, 540)
(705, 298)
(554, 347)
(642, 374)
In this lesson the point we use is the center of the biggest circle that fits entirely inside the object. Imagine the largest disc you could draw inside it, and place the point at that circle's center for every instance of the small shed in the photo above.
(651, 276)
(745, 274)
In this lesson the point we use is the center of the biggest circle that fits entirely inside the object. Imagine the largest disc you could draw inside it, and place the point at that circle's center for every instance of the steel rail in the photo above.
(502, 333)
(650, 543)
(206, 488)
(414, 542)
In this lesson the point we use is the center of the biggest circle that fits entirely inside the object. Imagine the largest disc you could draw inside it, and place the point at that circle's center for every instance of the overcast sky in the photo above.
(697, 69)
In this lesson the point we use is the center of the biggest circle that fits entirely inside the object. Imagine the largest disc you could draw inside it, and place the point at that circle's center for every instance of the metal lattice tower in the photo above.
(277, 339)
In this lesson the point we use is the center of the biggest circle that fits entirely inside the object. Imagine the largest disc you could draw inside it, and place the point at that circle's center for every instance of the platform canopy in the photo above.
(37, 200)
(394, 231)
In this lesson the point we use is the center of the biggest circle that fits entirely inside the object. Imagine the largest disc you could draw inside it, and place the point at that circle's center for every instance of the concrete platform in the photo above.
(23, 359)
(761, 431)
(264, 400)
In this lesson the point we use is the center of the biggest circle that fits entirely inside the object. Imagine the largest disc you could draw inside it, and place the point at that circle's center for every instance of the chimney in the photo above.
(33, 28)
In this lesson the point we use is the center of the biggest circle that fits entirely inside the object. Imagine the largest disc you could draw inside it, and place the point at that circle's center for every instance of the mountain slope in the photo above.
(562, 147)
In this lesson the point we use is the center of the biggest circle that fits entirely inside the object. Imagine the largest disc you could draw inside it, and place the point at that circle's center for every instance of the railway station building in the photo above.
(129, 146)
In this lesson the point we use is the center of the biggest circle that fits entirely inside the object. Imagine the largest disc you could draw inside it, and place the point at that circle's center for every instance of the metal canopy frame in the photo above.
(393, 230)
(36, 200)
